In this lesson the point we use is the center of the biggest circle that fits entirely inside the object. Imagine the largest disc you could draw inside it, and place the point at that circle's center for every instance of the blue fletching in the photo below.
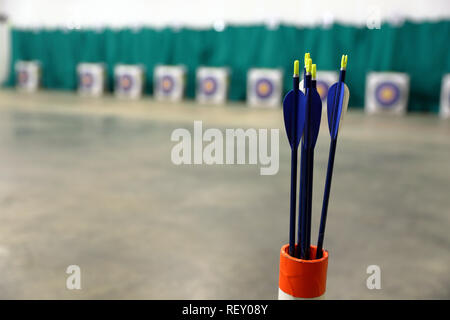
(335, 100)
(316, 116)
(330, 105)
(288, 113)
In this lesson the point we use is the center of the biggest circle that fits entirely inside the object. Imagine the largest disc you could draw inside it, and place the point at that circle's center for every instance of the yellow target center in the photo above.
(209, 85)
(86, 80)
(166, 84)
(263, 88)
(125, 82)
(387, 94)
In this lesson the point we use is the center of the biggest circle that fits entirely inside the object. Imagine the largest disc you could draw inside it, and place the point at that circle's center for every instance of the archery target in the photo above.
(125, 82)
(169, 82)
(91, 79)
(129, 81)
(264, 87)
(27, 75)
(444, 111)
(212, 85)
(209, 86)
(86, 80)
(387, 92)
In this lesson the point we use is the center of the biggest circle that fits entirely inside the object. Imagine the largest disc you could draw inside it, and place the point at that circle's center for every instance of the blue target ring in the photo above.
(209, 86)
(86, 80)
(322, 89)
(387, 94)
(22, 77)
(264, 88)
(125, 82)
(166, 84)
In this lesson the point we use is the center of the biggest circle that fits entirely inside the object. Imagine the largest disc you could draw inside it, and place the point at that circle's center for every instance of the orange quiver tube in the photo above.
(302, 279)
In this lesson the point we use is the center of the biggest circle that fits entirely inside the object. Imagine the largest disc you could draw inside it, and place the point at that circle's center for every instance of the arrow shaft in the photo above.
(326, 198)
(306, 151)
(309, 202)
(342, 75)
(329, 176)
(293, 202)
(302, 184)
(294, 159)
(310, 175)
(302, 202)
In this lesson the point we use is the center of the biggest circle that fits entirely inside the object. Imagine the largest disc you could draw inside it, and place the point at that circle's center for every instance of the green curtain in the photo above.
(420, 49)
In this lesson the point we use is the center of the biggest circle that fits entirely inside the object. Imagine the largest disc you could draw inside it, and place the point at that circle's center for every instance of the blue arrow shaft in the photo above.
(310, 174)
(293, 202)
(326, 198)
(342, 75)
(305, 173)
(294, 158)
(309, 203)
(302, 182)
(302, 201)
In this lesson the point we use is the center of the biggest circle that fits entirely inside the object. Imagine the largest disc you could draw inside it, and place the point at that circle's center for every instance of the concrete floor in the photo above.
(90, 182)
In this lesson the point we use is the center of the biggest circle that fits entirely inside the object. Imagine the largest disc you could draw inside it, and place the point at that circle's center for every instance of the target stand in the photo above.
(169, 82)
(91, 79)
(264, 88)
(28, 75)
(386, 92)
(212, 85)
(129, 81)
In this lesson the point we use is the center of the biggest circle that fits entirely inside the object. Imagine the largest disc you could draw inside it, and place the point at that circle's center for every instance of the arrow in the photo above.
(337, 103)
(313, 113)
(302, 198)
(294, 121)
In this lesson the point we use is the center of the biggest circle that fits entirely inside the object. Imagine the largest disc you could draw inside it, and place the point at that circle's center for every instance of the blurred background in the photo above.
(92, 91)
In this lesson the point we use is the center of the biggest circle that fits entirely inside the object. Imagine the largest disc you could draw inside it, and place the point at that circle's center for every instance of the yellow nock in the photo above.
(308, 65)
(296, 68)
(344, 61)
(313, 71)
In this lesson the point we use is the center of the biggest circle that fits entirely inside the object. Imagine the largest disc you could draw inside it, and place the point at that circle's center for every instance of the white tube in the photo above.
(284, 296)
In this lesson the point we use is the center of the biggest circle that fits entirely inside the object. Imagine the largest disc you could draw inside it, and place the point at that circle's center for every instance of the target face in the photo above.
(166, 84)
(387, 94)
(264, 88)
(86, 80)
(209, 86)
(125, 82)
(22, 77)
(322, 89)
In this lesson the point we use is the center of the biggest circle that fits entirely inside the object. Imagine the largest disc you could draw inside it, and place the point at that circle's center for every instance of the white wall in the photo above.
(206, 13)
(203, 13)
